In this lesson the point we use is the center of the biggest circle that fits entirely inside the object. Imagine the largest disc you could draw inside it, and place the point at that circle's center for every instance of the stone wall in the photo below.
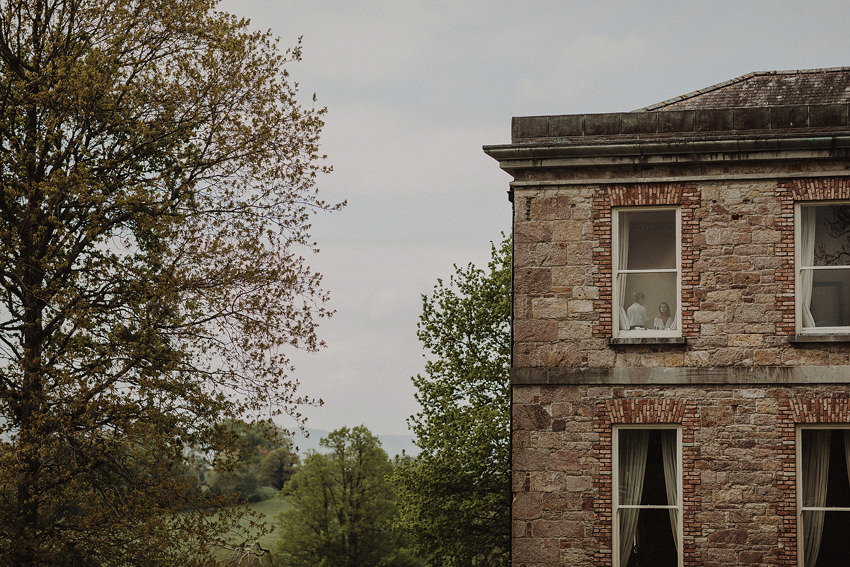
(737, 275)
(738, 464)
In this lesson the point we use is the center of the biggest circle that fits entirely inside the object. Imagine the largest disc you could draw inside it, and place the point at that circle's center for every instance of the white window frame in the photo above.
(799, 489)
(798, 272)
(617, 301)
(615, 489)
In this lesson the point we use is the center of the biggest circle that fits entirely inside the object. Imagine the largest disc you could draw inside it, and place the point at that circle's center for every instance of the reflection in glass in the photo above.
(831, 235)
(824, 260)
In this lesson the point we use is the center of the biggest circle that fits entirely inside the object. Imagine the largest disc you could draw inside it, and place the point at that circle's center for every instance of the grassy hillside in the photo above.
(270, 509)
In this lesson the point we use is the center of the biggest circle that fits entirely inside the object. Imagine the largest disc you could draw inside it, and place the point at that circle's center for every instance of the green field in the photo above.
(270, 509)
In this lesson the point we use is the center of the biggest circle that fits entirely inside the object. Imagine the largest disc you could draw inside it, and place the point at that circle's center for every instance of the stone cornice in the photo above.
(758, 375)
(639, 152)
(585, 146)
(740, 122)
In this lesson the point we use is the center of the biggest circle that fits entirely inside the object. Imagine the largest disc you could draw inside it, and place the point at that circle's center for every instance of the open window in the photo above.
(823, 492)
(823, 268)
(646, 271)
(647, 497)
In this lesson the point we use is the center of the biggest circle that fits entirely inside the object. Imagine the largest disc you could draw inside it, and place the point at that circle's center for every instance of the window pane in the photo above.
(831, 235)
(643, 297)
(648, 467)
(632, 454)
(647, 475)
(828, 307)
(825, 467)
(814, 464)
(651, 237)
(824, 536)
(669, 464)
(653, 541)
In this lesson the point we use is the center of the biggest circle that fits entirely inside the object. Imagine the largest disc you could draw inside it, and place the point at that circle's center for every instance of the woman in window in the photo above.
(664, 320)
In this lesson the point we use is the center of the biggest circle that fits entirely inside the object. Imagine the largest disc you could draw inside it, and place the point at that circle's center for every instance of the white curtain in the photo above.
(633, 445)
(808, 218)
(815, 475)
(668, 455)
(622, 264)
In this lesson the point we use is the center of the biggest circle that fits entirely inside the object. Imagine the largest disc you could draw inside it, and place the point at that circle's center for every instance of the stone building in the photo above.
(681, 335)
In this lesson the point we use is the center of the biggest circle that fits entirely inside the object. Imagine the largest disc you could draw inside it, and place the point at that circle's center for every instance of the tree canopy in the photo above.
(157, 179)
(454, 498)
(342, 507)
(265, 460)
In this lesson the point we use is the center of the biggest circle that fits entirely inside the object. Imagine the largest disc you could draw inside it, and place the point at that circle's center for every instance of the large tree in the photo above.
(157, 176)
(342, 507)
(454, 498)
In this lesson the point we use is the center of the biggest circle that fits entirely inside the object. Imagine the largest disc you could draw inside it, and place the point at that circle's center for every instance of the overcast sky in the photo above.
(415, 89)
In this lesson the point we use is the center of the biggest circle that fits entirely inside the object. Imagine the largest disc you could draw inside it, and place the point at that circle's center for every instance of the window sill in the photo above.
(649, 341)
(825, 338)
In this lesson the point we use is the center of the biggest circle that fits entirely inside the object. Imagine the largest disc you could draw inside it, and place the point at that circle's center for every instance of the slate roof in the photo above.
(757, 106)
(765, 89)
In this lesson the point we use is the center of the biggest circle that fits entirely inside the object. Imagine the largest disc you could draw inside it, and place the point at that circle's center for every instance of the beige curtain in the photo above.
(633, 445)
(668, 455)
(815, 476)
(808, 218)
(623, 264)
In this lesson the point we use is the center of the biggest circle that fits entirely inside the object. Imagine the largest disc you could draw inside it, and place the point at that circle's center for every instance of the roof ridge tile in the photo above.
(702, 98)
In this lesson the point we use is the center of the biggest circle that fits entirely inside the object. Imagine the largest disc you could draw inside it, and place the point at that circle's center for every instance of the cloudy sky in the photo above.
(414, 89)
